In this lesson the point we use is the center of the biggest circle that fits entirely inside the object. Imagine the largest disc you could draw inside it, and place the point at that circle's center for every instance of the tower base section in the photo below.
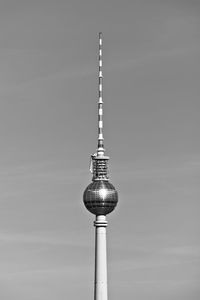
(100, 284)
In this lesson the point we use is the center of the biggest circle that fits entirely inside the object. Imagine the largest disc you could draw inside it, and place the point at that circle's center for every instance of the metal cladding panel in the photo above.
(100, 197)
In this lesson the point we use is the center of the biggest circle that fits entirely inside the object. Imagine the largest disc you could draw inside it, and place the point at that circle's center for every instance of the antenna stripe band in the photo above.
(100, 102)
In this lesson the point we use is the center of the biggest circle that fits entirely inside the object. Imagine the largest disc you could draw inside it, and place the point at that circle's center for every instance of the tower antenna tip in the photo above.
(100, 150)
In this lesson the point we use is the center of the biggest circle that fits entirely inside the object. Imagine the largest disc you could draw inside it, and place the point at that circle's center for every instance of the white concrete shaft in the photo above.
(100, 284)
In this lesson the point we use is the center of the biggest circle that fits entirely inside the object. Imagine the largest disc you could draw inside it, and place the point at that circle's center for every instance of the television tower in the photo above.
(100, 197)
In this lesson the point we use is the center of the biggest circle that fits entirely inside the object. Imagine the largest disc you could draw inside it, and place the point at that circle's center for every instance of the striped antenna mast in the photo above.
(100, 150)
(99, 162)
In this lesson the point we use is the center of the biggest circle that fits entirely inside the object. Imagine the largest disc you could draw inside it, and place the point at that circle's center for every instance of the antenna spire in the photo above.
(99, 162)
(100, 150)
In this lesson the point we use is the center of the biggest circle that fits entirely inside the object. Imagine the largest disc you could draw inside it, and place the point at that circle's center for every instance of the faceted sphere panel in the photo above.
(100, 197)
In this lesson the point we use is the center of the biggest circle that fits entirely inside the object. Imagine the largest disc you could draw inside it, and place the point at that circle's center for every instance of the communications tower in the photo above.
(100, 197)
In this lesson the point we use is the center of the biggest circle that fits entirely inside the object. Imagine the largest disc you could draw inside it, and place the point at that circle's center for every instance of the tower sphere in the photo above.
(100, 197)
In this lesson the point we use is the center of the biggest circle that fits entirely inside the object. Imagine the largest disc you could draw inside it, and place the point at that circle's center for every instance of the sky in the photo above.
(48, 129)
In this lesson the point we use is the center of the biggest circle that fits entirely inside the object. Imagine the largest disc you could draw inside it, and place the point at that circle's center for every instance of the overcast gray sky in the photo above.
(48, 104)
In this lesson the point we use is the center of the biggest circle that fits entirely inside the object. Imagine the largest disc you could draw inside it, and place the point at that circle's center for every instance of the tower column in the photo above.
(100, 197)
(100, 283)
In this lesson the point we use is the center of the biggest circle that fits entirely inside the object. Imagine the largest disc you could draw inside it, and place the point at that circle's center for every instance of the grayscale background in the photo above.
(48, 129)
